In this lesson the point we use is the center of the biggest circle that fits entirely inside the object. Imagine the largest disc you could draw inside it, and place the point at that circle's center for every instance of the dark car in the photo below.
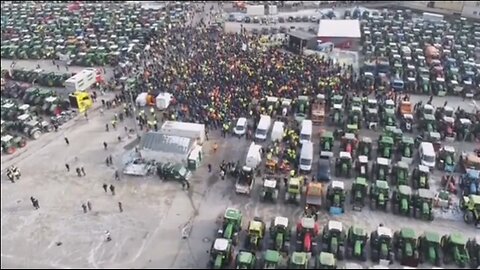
(298, 19)
(248, 20)
(265, 31)
(290, 19)
(305, 19)
(281, 19)
(255, 31)
(283, 29)
(323, 170)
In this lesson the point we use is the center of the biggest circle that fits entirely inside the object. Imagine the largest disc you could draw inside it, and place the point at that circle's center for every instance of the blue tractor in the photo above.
(469, 182)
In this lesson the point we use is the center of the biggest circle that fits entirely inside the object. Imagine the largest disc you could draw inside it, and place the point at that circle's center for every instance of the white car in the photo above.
(241, 126)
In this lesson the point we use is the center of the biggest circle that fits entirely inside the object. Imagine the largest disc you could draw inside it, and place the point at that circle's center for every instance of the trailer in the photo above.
(432, 17)
(82, 80)
(189, 130)
(255, 10)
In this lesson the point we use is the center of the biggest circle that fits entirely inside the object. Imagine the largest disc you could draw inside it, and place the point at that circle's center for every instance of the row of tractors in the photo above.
(307, 247)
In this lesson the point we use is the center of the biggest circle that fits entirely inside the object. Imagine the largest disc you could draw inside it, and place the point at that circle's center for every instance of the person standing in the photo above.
(112, 189)
(67, 141)
(67, 166)
(117, 175)
(79, 173)
(83, 171)
(89, 206)
(120, 207)
(105, 186)
(84, 207)
(105, 145)
(209, 168)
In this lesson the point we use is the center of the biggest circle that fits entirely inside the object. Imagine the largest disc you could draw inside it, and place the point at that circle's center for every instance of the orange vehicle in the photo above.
(318, 110)
(313, 199)
(405, 107)
(431, 53)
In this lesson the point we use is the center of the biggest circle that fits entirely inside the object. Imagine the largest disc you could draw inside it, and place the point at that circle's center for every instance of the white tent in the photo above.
(163, 100)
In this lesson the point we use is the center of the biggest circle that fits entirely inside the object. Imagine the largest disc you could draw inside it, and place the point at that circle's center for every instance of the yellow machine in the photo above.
(81, 101)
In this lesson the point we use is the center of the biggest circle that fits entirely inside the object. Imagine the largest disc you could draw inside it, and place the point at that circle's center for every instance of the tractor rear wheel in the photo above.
(468, 217)
(11, 150)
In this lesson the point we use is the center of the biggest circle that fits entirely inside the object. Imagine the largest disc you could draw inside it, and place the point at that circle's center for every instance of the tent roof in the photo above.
(339, 28)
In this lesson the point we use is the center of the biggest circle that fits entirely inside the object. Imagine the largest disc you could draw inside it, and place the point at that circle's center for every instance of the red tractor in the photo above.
(307, 232)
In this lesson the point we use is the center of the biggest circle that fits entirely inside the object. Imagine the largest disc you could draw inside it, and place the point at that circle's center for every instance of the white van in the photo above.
(427, 154)
(254, 156)
(277, 131)
(306, 131)
(306, 157)
(241, 126)
(263, 127)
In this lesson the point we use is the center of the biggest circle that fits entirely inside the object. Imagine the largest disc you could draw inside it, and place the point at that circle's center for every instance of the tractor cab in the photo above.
(362, 166)
(326, 141)
(336, 114)
(394, 132)
(326, 260)
(349, 143)
(51, 106)
(294, 189)
(231, 225)
(470, 206)
(10, 143)
(352, 128)
(389, 104)
(302, 108)
(299, 260)
(307, 231)
(372, 104)
(385, 147)
(381, 168)
(336, 197)
(446, 159)
(420, 177)
(338, 100)
(469, 182)
(400, 173)
(423, 204)
(402, 200)
(379, 195)
(356, 244)
(356, 102)
(429, 246)
(256, 231)
(355, 115)
(280, 234)
(405, 246)
(406, 149)
(343, 164)
(271, 259)
(221, 253)
(333, 239)
(389, 118)
(448, 130)
(365, 147)
(245, 260)
(269, 190)
(359, 193)
(463, 127)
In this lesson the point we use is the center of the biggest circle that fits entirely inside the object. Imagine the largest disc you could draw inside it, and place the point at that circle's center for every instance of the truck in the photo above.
(433, 17)
(82, 80)
(245, 181)
(189, 130)
(255, 10)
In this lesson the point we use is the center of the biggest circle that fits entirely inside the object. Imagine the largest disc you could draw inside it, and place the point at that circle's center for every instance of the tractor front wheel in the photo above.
(11, 150)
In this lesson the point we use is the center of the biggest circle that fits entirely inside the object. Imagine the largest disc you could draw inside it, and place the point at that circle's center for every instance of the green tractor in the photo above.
(400, 174)
(269, 190)
(406, 247)
(423, 204)
(53, 80)
(30, 94)
(294, 190)
(381, 245)
(279, 234)
(337, 100)
(271, 259)
(406, 149)
(454, 248)
(54, 106)
(379, 195)
(473, 247)
(256, 233)
(231, 226)
(10, 143)
(357, 239)
(343, 165)
(10, 111)
(470, 206)
(429, 248)
(245, 260)
(358, 193)
(303, 108)
(362, 167)
(299, 260)
(40, 97)
(385, 147)
(336, 196)
(176, 172)
(365, 147)
(355, 116)
(221, 254)
(381, 169)
(402, 201)
(326, 260)
(420, 177)
(326, 141)
(333, 239)
(389, 118)
(336, 115)
(429, 123)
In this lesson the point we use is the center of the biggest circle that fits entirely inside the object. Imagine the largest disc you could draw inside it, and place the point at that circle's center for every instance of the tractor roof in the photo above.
(372, 110)
(23, 117)
(327, 258)
(432, 237)
(282, 221)
(358, 230)
(337, 106)
(272, 99)
(387, 140)
(383, 161)
(474, 198)
(381, 184)
(425, 193)
(356, 108)
(24, 107)
(51, 99)
(245, 257)
(255, 225)
(458, 239)
(335, 225)
(349, 136)
(408, 116)
(6, 138)
(465, 121)
(232, 213)
(408, 233)
(352, 126)
(345, 155)
(361, 181)
(269, 183)
(435, 135)
(428, 107)
(314, 189)
(327, 134)
(402, 165)
(8, 105)
(363, 159)
(406, 190)
(221, 244)
(299, 258)
(372, 101)
(423, 168)
(448, 119)
(390, 102)
(337, 97)
(366, 139)
(384, 231)
(448, 148)
(307, 222)
(473, 174)
(338, 184)
(272, 255)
